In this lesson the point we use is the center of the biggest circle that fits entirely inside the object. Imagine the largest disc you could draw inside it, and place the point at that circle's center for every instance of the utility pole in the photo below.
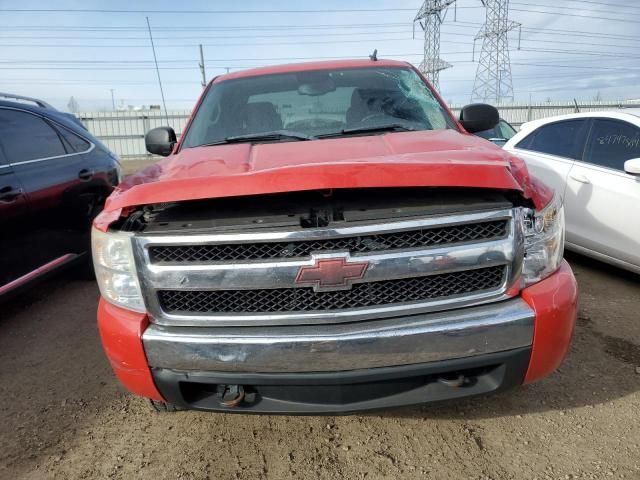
(113, 101)
(493, 81)
(430, 17)
(155, 59)
(204, 75)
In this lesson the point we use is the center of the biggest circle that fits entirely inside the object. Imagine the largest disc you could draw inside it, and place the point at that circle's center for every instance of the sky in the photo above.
(582, 49)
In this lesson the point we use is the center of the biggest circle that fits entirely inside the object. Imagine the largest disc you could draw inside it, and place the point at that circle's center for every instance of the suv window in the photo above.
(564, 139)
(611, 143)
(73, 142)
(27, 137)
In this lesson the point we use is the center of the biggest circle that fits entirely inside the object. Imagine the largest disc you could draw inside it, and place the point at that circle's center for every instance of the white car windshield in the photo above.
(316, 104)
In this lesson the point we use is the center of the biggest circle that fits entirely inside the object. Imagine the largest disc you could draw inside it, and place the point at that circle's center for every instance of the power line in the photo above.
(561, 42)
(631, 72)
(199, 37)
(589, 53)
(227, 61)
(560, 7)
(548, 76)
(193, 28)
(190, 45)
(579, 33)
(552, 31)
(253, 28)
(631, 75)
(268, 11)
(216, 12)
(533, 31)
(291, 58)
(603, 4)
(575, 15)
(193, 61)
(321, 42)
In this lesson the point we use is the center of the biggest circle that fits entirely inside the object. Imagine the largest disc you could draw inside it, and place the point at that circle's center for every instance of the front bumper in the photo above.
(354, 346)
(348, 367)
(349, 391)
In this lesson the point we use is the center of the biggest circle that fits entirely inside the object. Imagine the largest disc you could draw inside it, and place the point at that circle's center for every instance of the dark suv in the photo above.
(54, 177)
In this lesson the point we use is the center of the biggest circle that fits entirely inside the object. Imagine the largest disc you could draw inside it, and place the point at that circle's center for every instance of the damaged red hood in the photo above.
(439, 158)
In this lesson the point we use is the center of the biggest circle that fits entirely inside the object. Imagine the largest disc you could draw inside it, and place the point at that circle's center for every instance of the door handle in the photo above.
(9, 194)
(579, 177)
(85, 174)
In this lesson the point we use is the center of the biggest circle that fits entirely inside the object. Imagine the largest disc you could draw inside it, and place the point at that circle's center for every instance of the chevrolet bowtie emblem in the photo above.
(333, 273)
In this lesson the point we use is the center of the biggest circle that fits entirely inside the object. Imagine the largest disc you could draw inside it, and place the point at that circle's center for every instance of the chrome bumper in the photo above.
(341, 347)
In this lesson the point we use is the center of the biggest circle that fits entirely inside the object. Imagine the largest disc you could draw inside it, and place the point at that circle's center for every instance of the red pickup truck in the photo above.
(328, 238)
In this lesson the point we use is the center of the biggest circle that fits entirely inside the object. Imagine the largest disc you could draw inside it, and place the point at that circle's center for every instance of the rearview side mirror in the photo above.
(632, 166)
(478, 117)
(160, 141)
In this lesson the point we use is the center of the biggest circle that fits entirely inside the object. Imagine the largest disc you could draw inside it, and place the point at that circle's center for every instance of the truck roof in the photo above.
(309, 66)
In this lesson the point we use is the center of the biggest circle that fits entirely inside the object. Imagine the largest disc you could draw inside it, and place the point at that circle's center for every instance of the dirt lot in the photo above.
(65, 416)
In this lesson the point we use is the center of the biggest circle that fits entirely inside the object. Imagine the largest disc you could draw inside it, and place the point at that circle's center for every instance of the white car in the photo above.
(593, 161)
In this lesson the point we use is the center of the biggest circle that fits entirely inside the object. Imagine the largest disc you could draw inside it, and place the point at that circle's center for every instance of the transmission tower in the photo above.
(493, 77)
(430, 17)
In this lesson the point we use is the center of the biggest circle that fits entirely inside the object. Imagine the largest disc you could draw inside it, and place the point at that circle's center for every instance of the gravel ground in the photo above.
(66, 417)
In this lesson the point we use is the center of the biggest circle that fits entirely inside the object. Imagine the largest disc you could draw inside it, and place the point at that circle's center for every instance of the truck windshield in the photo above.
(325, 103)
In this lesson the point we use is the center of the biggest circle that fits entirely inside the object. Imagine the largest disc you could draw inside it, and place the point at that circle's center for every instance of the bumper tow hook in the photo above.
(453, 381)
(231, 395)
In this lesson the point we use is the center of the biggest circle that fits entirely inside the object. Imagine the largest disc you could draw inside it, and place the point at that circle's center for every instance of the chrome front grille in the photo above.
(426, 237)
(385, 292)
(413, 266)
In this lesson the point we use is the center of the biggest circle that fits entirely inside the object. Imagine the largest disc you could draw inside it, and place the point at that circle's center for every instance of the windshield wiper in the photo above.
(390, 127)
(264, 136)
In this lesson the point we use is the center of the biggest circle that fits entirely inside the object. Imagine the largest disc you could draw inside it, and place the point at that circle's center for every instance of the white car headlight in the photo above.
(116, 270)
(544, 241)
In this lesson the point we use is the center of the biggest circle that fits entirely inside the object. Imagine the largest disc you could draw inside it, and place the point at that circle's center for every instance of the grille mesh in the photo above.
(305, 299)
(383, 241)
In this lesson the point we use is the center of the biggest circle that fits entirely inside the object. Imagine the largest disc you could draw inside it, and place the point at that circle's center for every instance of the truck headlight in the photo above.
(116, 269)
(544, 241)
